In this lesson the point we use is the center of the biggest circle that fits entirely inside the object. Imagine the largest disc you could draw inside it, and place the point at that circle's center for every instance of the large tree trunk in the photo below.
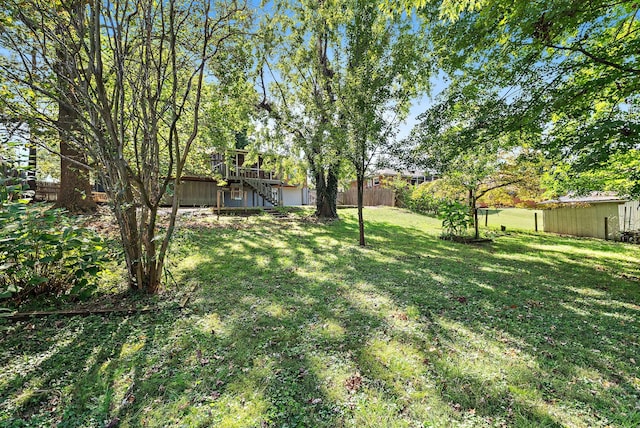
(75, 187)
(327, 194)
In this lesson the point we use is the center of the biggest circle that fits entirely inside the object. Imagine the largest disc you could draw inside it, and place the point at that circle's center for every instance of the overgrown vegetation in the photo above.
(42, 250)
(424, 199)
(290, 326)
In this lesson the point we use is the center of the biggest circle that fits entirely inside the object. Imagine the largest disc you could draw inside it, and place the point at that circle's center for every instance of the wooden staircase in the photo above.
(265, 190)
(276, 214)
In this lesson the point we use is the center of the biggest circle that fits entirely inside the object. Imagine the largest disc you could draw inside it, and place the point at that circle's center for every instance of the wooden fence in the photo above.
(48, 192)
(629, 215)
(372, 197)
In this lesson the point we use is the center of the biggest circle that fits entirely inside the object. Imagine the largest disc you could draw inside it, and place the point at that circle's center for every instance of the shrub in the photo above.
(424, 200)
(402, 191)
(455, 218)
(42, 250)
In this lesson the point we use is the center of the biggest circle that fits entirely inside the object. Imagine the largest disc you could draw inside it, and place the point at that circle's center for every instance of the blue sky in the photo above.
(420, 105)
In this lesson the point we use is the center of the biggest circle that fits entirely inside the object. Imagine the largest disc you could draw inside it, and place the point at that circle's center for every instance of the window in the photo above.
(236, 193)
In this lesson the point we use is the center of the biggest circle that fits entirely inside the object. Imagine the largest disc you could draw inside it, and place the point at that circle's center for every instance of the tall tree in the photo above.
(385, 69)
(135, 89)
(299, 88)
(75, 187)
(345, 73)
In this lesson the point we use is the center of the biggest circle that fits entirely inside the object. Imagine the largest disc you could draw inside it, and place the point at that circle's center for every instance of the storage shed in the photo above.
(596, 216)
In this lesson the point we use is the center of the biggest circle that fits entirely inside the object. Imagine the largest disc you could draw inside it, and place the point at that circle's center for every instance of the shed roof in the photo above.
(594, 198)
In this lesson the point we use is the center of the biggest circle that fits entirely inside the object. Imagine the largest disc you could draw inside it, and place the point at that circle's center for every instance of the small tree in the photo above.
(466, 144)
(384, 70)
(455, 219)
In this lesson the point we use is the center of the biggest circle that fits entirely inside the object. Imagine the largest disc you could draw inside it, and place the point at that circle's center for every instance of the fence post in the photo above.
(606, 229)
(486, 217)
(535, 219)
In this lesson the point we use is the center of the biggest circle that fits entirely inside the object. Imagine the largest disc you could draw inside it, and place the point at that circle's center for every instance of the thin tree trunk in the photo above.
(360, 185)
(127, 220)
(33, 155)
(471, 202)
(475, 222)
(33, 164)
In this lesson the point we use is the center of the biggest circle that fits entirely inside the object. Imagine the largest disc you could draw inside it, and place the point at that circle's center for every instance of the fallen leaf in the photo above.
(354, 383)
(402, 317)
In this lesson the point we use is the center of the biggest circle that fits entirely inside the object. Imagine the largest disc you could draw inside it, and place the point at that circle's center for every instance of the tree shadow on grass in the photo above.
(79, 369)
(290, 325)
(521, 301)
(574, 320)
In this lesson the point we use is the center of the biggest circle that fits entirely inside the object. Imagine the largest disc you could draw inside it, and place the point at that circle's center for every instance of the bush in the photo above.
(43, 251)
(424, 200)
(455, 218)
(401, 190)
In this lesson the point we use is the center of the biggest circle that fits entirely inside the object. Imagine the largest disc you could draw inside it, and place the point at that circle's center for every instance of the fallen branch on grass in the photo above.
(21, 316)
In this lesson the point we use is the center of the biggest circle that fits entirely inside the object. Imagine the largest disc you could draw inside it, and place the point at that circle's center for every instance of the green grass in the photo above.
(292, 324)
(512, 218)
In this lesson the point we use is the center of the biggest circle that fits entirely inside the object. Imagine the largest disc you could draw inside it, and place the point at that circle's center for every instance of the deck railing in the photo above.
(237, 173)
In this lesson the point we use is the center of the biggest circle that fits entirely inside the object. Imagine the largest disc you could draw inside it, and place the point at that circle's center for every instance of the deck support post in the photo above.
(218, 203)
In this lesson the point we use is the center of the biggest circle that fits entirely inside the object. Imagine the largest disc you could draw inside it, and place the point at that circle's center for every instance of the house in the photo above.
(233, 184)
(604, 216)
(245, 184)
(380, 177)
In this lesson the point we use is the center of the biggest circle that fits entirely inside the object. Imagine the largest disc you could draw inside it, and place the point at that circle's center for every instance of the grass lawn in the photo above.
(512, 218)
(291, 324)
